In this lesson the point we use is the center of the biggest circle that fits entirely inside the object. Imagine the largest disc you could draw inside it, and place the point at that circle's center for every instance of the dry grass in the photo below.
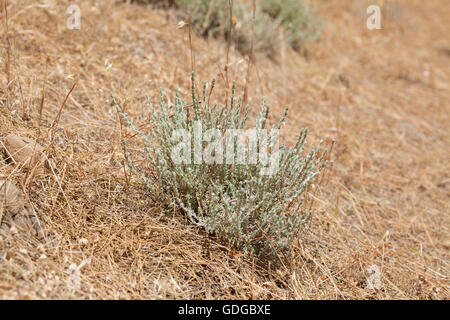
(383, 96)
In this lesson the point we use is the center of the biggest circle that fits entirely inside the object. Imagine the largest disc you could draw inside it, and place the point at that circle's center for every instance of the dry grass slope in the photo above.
(383, 96)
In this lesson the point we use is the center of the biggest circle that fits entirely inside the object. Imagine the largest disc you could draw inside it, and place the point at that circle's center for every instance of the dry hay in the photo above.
(382, 96)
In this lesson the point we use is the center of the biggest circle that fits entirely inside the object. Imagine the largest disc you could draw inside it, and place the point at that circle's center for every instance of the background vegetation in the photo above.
(276, 24)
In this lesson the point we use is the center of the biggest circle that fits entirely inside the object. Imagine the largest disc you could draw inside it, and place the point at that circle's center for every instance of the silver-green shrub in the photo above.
(252, 212)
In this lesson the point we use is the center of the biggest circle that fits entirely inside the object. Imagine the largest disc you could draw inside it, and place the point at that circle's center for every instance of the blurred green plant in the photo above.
(277, 22)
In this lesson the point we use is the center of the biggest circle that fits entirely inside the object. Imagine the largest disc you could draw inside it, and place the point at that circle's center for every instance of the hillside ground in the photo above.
(382, 204)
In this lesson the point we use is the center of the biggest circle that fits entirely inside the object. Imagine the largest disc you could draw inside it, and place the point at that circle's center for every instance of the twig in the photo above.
(8, 55)
(58, 116)
(250, 58)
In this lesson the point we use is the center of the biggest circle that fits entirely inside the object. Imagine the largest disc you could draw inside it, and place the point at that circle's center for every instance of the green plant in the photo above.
(212, 18)
(289, 21)
(299, 23)
(259, 214)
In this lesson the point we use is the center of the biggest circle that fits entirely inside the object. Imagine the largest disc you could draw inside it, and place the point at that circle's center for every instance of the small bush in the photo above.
(288, 21)
(276, 21)
(296, 19)
(259, 214)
